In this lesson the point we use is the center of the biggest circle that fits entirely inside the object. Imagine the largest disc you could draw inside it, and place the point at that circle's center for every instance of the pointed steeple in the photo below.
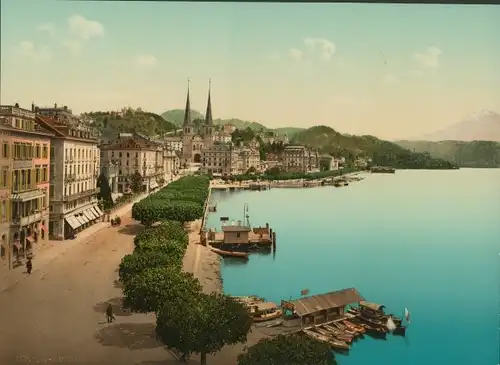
(187, 111)
(208, 114)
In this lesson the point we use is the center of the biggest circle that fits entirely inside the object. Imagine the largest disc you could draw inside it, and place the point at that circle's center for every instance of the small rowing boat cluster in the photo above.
(338, 334)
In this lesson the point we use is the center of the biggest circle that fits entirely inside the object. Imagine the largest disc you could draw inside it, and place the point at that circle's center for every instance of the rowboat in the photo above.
(335, 344)
(243, 255)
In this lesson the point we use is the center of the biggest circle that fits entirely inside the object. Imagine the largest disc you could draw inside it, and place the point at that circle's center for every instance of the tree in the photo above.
(136, 182)
(203, 324)
(140, 260)
(153, 288)
(104, 191)
(291, 349)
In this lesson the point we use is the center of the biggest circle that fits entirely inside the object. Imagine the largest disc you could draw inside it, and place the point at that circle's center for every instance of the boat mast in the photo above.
(246, 217)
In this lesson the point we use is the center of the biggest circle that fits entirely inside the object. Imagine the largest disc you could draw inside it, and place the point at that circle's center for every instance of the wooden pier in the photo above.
(242, 238)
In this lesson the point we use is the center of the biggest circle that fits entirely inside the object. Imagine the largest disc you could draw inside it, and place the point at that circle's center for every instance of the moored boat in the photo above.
(265, 311)
(223, 253)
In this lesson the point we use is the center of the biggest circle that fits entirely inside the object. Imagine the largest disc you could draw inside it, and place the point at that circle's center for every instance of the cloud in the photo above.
(72, 45)
(326, 47)
(429, 58)
(146, 60)
(84, 28)
(417, 73)
(391, 79)
(47, 28)
(30, 50)
(296, 54)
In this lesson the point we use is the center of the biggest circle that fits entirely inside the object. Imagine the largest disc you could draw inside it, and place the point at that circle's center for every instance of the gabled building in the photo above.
(75, 167)
(24, 184)
(300, 159)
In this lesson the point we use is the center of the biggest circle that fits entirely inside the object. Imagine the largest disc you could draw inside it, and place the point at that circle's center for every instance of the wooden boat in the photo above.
(266, 311)
(248, 298)
(354, 327)
(243, 255)
(399, 331)
(336, 345)
(332, 336)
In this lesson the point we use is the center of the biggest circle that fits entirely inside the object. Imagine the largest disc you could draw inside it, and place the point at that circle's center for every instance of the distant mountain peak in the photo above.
(482, 125)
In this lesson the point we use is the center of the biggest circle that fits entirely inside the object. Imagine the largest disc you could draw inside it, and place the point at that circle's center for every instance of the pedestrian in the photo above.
(29, 266)
(109, 313)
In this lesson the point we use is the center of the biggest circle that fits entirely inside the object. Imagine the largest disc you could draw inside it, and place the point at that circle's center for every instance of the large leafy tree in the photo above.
(154, 288)
(203, 324)
(288, 349)
(104, 191)
(136, 182)
(145, 258)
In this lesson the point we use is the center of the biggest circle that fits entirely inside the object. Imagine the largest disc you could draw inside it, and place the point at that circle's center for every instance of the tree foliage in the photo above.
(136, 182)
(145, 258)
(104, 192)
(190, 326)
(155, 287)
(182, 200)
(383, 153)
(288, 349)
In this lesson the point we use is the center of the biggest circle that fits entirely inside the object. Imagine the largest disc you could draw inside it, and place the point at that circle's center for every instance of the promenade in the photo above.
(56, 314)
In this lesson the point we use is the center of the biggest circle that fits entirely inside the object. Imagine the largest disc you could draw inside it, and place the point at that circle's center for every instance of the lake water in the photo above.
(425, 240)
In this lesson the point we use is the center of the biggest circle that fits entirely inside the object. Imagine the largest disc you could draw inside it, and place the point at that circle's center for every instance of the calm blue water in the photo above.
(425, 240)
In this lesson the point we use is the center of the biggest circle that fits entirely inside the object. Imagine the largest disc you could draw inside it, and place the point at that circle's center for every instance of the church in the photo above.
(196, 138)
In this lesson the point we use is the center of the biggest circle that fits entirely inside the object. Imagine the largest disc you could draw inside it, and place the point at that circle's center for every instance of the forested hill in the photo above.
(464, 154)
(130, 120)
(383, 153)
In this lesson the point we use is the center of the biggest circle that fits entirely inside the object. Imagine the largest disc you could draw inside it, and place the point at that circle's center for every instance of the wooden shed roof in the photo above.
(335, 299)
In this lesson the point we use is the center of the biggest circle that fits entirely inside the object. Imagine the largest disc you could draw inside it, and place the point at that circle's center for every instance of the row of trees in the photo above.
(182, 201)
(189, 321)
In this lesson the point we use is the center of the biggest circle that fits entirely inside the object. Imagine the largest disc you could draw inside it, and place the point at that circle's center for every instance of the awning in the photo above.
(44, 228)
(17, 244)
(31, 239)
(28, 195)
(87, 214)
(83, 218)
(98, 211)
(95, 212)
(73, 222)
(79, 220)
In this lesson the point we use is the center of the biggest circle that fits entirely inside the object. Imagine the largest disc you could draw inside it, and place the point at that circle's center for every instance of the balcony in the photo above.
(82, 194)
(24, 221)
(19, 188)
(70, 178)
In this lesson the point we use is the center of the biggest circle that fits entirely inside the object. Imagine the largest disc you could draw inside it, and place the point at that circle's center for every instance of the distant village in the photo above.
(52, 160)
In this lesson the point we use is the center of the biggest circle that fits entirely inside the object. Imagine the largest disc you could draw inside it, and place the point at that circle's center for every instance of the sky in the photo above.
(394, 71)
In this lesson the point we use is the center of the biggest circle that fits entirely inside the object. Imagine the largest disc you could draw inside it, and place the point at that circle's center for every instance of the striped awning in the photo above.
(28, 195)
(98, 210)
(94, 211)
(79, 220)
(83, 218)
(89, 215)
(73, 222)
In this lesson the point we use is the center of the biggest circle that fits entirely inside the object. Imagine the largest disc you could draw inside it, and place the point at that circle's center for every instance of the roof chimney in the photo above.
(55, 105)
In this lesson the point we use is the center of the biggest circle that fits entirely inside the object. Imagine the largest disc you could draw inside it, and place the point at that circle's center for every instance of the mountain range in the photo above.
(176, 117)
(481, 126)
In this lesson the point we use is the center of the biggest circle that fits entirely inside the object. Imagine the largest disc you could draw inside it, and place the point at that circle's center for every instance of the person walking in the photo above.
(109, 313)
(29, 266)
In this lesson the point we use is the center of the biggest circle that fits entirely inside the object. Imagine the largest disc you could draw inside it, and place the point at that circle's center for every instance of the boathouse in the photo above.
(317, 309)
(236, 234)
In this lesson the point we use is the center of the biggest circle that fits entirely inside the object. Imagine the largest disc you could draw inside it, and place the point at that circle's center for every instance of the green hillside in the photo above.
(290, 131)
(464, 154)
(176, 116)
(383, 153)
(137, 120)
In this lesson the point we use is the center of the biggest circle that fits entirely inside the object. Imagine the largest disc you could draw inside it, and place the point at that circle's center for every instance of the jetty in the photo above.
(382, 170)
(240, 237)
(337, 318)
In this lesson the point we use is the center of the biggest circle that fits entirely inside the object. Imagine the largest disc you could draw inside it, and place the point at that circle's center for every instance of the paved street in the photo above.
(56, 315)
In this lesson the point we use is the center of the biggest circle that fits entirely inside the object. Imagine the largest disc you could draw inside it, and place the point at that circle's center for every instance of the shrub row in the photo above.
(182, 201)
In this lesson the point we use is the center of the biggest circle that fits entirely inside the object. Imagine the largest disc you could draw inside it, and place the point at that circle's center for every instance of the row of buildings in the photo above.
(49, 168)
(216, 154)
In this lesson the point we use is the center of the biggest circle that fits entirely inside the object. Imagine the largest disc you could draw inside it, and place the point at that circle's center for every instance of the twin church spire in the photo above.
(208, 114)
